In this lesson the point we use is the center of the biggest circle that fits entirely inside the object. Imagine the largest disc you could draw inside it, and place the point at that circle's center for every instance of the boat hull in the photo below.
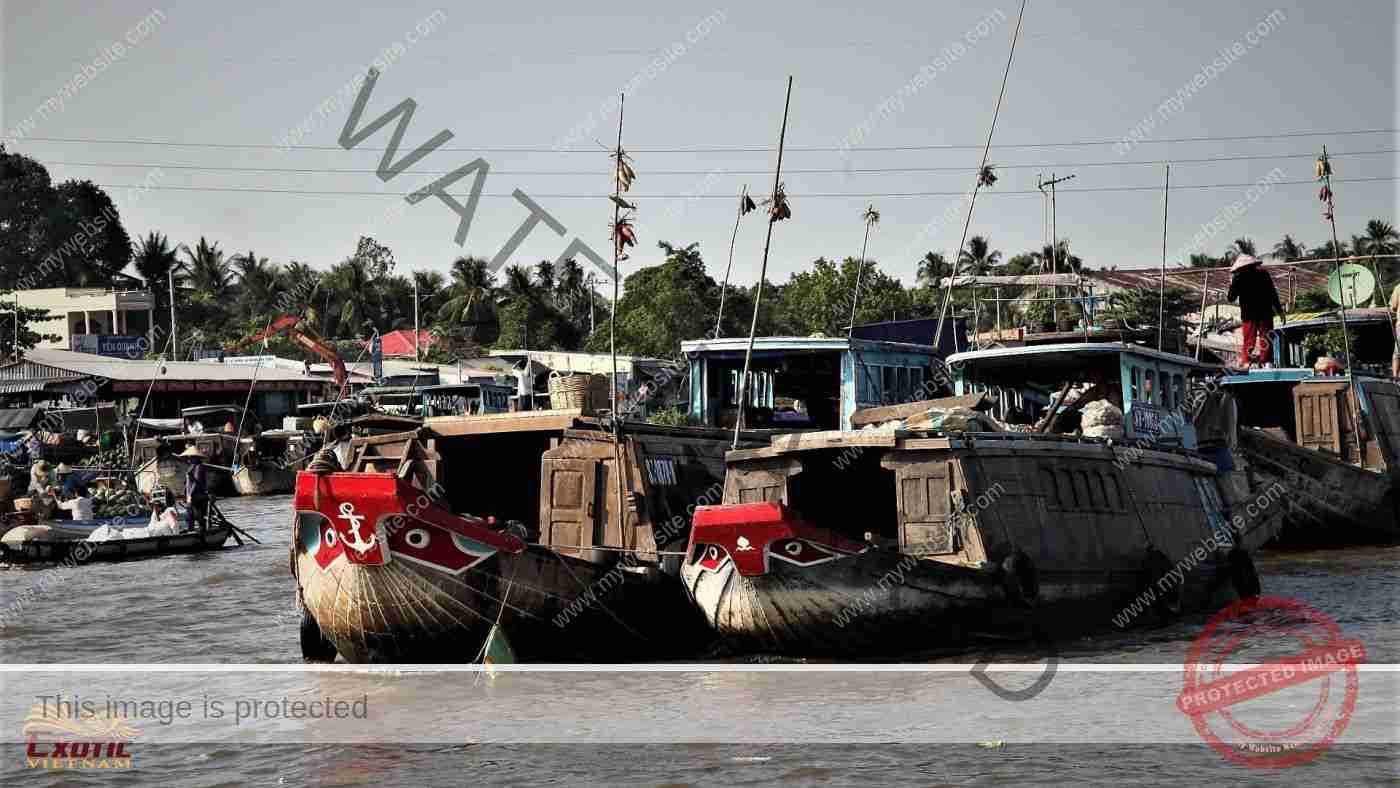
(77, 551)
(264, 479)
(1329, 502)
(431, 586)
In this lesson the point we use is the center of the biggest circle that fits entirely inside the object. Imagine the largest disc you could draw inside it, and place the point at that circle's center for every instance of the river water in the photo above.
(197, 628)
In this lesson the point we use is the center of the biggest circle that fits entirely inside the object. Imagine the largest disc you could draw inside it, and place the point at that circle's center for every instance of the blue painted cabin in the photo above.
(1150, 386)
(804, 382)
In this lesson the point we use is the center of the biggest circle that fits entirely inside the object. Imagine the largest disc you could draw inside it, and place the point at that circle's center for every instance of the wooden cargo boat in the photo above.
(964, 534)
(1299, 430)
(456, 540)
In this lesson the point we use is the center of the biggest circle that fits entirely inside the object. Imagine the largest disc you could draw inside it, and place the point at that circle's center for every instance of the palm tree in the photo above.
(353, 284)
(259, 283)
(569, 289)
(1239, 247)
(979, 257)
(933, 267)
(1289, 249)
(155, 259)
(209, 273)
(522, 293)
(1381, 238)
(470, 298)
(544, 277)
(430, 286)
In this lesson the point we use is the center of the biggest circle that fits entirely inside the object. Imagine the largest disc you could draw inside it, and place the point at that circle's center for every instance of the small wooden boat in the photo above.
(1299, 431)
(262, 464)
(481, 535)
(66, 542)
(157, 461)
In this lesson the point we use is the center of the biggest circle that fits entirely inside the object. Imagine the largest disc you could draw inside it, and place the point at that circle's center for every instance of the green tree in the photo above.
(1138, 308)
(468, 307)
(207, 272)
(354, 288)
(154, 260)
(978, 258)
(664, 304)
(50, 236)
(1289, 249)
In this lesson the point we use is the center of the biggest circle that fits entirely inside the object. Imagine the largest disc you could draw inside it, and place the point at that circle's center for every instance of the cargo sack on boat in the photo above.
(1102, 419)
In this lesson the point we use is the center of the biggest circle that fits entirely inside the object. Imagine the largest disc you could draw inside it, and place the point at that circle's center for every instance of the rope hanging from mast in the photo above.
(982, 179)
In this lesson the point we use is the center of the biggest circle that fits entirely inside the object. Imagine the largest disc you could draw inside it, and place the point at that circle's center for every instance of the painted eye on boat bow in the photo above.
(800, 551)
(709, 556)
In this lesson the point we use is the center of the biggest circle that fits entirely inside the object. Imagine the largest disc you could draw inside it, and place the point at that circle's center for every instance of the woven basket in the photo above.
(588, 393)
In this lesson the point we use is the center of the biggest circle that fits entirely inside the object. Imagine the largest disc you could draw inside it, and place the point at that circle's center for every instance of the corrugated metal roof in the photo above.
(1193, 279)
(127, 370)
(33, 384)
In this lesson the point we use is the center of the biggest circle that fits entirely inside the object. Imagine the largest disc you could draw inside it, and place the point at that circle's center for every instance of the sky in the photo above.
(246, 102)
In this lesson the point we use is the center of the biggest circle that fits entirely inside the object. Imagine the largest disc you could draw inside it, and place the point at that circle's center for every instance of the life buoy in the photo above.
(1166, 602)
(314, 646)
(1243, 575)
(1019, 578)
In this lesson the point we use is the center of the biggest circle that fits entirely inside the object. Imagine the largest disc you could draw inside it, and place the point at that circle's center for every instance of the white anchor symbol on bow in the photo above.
(359, 545)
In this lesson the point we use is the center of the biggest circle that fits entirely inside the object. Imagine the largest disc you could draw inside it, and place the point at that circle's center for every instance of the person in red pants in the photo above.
(1252, 286)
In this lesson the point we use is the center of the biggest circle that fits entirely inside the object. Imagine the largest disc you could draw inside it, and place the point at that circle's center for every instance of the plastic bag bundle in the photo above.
(1102, 419)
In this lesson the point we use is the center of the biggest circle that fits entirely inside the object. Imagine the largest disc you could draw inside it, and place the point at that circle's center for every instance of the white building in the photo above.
(92, 319)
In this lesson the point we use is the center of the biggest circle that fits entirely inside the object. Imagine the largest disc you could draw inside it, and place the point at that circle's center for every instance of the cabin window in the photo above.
(1180, 385)
(916, 380)
(1167, 391)
(1149, 392)
(904, 390)
(890, 383)
(1136, 387)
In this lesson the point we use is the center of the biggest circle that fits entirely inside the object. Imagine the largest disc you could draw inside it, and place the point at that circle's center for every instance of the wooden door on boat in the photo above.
(1323, 418)
(567, 506)
(925, 490)
(757, 481)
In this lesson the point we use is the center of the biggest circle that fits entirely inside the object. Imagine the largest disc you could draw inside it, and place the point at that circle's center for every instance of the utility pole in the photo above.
(174, 338)
(591, 324)
(416, 355)
(1054, 242)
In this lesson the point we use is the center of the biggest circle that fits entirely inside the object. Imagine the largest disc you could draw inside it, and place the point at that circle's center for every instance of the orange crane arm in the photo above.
(290, 325)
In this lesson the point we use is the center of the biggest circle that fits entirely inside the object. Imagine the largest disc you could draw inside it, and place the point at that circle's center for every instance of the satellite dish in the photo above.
(1351, 286)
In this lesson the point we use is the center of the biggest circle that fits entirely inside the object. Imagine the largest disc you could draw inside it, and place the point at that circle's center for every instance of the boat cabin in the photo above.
(220, 447)
(1299, 342)
(1148, 386)
(1315, 412)
(804, 382)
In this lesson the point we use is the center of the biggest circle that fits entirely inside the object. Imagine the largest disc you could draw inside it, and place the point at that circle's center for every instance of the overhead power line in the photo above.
(736, 149)
(811, 171)
(594, 196)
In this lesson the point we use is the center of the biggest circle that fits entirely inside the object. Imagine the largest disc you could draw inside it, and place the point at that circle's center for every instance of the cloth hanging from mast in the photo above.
(624, 172)
(779, 209)
(986, 177)
(623, 235)
(746, 204)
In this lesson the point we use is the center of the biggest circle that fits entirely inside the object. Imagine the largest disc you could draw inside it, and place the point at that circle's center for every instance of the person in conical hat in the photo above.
(1254, 288)
(196, 487)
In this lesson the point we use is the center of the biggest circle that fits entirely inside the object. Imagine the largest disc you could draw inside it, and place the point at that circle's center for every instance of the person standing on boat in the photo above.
(1395, 311)
(196, 488)
(1254, 288)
